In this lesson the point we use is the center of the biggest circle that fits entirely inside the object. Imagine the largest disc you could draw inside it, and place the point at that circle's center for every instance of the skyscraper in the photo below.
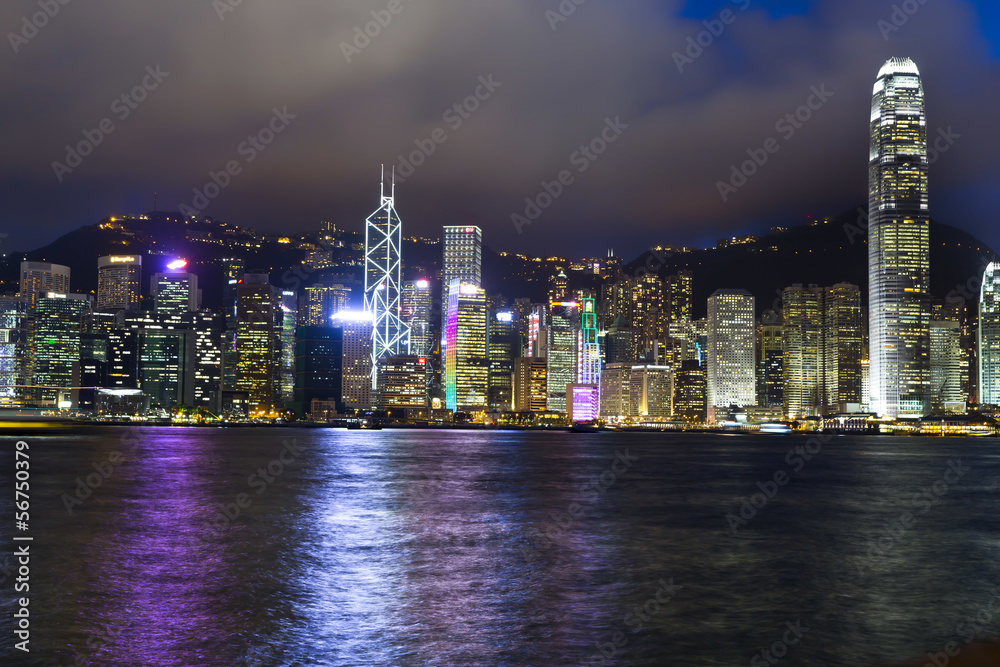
(898, 243)
(843, 333)
(417, 306)
(288, 314)
(502, 350)
(357, 363)
(324, 300)
(989, 337)
(590, 351)
(466, 363)
(946, 366)
(56, 345)
(731, 371)
(255, 349)
(771, 362)
(383, 282)
(319, 367)
(561, 335)
(802, 333)
(14, 351)
(42, 277)
(462, 256)
(175, 292)
(530, 384)
(118, 282)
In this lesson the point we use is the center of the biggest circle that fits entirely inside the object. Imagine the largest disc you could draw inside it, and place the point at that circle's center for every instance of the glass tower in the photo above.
(898, 243)
(989, 337)
(732, 342)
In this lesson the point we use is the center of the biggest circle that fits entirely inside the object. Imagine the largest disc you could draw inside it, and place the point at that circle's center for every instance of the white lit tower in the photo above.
(383, 279)
(899, 243)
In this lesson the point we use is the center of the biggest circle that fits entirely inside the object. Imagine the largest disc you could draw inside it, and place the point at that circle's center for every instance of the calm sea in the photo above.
(158, 546)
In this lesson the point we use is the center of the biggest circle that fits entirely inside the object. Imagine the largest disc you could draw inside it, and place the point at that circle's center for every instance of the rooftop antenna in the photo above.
(393, 191)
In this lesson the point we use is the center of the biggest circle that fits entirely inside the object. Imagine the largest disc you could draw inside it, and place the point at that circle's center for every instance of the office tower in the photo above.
(537, 318)
(690, 392)
(462, 257)
(617, 302)
(123, 358)
(324, 300)
(530, 384)
(590, 351)
(319, 367)
(771, 362)
(232, 273)
(843, 332)
(255, 332)
(502, 350)
(93, 369)
(946, 393)
(56, 345)
(651, 389)
(402, 382)
(207, 331)
(39, 277)
(561, 336)
(582, 402)
(679, 296)
(989, 337)
(166, 350)
(898, 243)
(288, 314)
(14, 351)
(466, 363)
(175, 292)
(731, 354)
(383, 283)
(619, 343)
(802, 310)
(616, 380)
(356, 367)
(118, 282)
(418, 302)
(649, 317)
(559, 287)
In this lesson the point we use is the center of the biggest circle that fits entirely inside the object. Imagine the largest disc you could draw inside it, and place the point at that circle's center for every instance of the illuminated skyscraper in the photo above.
(119, 280)
(771, 363)
(42, 277)
(402, 382)
(590, 351)
(803, 350)
(255, 338)
(649, 317)
(561, 335)
(946, 392)
(288, 314)
(616, 381)
(989, 337)
(56, 345)
(679, 296)
(898, 243)
(462, 256)
(175, 292)
(466, 363)
(843, 333)
(207, 329)
(651, 389)
(417, 306)
(319, 364)
(502, 349)
(689, 392)
(731, 371)
(357, 363)
(324, 300)
(383, 283)
(530, 384)
(14, 351)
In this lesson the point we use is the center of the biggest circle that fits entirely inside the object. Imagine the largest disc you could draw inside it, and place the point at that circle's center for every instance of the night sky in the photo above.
(230, 64)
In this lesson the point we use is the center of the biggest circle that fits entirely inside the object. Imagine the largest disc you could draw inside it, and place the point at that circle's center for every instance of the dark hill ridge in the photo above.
(825, 252)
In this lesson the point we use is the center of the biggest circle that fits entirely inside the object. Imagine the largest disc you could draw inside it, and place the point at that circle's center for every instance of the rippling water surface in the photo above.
(329, 547)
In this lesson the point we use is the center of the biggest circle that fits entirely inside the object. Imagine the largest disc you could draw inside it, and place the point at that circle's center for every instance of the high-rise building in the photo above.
(383, 281)
(689, 392)
(651, 390)
(732, 332)
(56, 346)
(561, 335)
(649, 316)
(582, 402)
(466, 362)
(802, 310)
(207, 330)
(619, 345)
(357, 352)
(319, 367)
(324, 300)
(530, 384)
(232, 275)
(843, 333)
(898, 243)
(679, 295)
(255, 342)
(402, 382)
(119, 279)
(15, 352)
(502, 350)
(418, 302)
(39, 277)
(771, 362)
(462, 257)
(175, 292)
(989, 337)
(946, 367)
(616, 381)
(288, 314)
(590, 350)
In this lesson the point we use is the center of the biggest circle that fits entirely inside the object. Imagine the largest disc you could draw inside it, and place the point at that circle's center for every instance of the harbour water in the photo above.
(160, 546)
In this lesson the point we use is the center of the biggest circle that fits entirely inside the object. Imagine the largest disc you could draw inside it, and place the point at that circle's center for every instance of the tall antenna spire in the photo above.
(393, 191)
(381, 187)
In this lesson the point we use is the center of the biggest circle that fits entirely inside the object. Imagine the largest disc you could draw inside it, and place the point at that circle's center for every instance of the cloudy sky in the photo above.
(683, 113)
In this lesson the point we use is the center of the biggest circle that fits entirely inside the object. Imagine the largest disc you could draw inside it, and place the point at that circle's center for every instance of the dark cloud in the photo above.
(657, 183)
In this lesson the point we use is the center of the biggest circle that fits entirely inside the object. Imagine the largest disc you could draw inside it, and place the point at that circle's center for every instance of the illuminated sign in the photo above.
(505, 317)
(175, 265)
(423, 284)
(468, 230)
(468, 289)
(361, 316)
(122, 259)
